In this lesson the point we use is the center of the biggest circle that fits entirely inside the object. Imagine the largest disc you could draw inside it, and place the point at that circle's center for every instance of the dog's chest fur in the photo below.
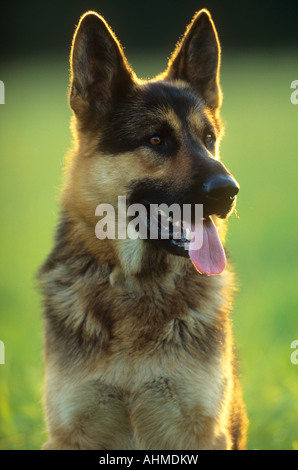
(136, 357)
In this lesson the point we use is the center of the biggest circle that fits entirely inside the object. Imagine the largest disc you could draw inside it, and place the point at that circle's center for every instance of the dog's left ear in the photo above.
(196, 59)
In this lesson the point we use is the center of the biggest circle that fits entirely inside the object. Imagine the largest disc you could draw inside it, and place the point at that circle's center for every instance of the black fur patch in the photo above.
(139, 116)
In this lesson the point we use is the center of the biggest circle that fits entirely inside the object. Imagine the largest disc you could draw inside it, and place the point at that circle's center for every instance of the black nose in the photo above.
(221, 187)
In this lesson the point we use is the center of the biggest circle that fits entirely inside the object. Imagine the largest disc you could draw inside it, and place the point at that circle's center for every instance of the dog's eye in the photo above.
(155, 140)
(209, 139)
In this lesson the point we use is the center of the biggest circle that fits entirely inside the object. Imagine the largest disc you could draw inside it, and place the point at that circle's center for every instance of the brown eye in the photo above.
(209, 139)
(155, 140)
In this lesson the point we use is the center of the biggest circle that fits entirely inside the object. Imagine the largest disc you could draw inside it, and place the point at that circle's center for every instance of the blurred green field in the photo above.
(260, 148)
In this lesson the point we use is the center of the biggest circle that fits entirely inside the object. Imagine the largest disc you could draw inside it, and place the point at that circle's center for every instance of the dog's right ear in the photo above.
(99, 70)
(196, 59)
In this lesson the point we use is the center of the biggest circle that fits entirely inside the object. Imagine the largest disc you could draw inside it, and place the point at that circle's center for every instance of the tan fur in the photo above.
(138, 345)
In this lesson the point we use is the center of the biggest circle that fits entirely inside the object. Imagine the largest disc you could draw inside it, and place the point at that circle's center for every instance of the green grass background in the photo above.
(260, 148)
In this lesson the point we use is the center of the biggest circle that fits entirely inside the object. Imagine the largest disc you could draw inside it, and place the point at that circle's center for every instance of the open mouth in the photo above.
(196, 239)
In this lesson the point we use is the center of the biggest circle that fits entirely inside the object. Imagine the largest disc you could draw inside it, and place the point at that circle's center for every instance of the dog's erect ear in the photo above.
(196, 59)
(99, 70)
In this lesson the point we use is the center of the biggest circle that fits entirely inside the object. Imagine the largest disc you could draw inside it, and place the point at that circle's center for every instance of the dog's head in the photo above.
(155, 142)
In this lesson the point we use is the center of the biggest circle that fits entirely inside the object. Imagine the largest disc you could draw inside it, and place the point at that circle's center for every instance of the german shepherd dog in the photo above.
(138, 342)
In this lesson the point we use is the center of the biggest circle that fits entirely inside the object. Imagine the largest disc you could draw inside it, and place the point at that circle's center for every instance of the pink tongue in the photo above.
(210, 258)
